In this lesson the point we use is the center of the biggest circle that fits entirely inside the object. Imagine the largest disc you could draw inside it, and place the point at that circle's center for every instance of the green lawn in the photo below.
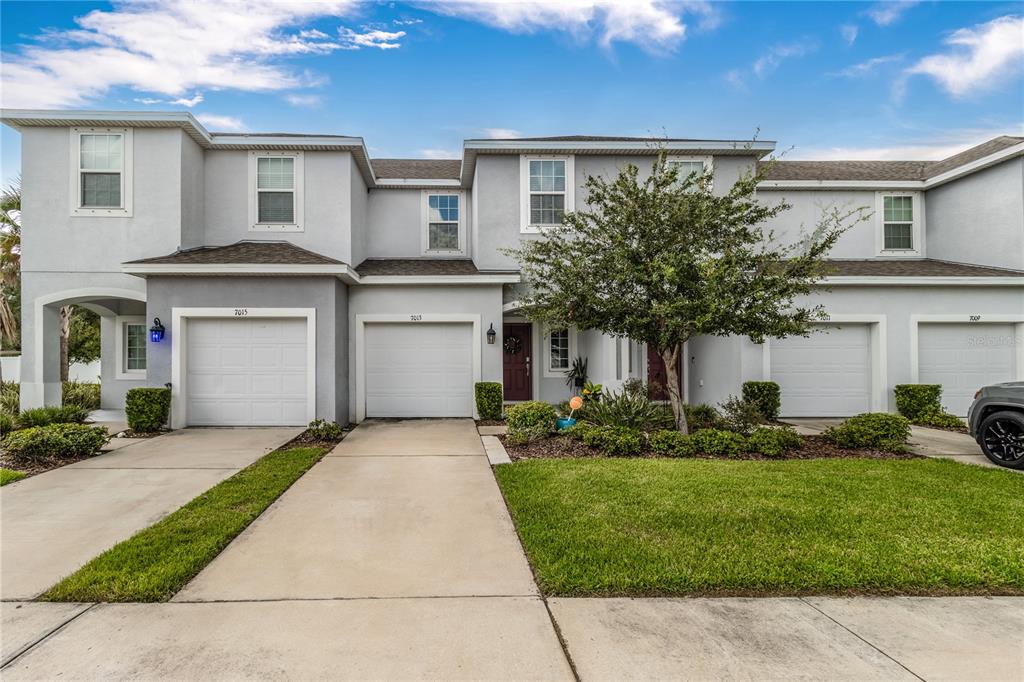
(672, 527)
(157, 562)
(10, 476)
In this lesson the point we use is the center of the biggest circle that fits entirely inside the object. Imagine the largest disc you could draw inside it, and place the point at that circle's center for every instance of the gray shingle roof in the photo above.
(242, 253)
(924, 267)
(417, 169)
(417, 266)
(886, 170)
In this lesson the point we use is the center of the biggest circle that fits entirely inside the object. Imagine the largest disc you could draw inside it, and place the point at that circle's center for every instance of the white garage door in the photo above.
(963, 358)
(825, 375)
(246, 372)
(419, 370)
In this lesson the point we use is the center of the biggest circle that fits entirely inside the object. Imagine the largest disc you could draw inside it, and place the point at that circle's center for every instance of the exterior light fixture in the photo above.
(491, 335)
(156, 332)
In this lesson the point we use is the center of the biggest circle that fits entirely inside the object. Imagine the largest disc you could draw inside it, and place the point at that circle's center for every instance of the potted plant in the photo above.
(577, 375)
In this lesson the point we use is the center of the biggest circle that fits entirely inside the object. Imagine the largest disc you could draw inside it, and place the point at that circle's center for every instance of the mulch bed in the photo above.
(954, 429)
(563, 447)
(32, 468)
(305, 439)
(490, 422)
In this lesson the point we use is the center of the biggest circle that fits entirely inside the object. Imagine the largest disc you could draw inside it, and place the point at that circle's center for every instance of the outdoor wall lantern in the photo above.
(491, 335)
(156, 332)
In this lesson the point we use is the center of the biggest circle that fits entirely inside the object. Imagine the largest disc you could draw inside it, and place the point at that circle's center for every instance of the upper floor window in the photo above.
(443, 231)
(899, 222)
(547, 191)
(688, 165)
(276, 204)
(101, 160)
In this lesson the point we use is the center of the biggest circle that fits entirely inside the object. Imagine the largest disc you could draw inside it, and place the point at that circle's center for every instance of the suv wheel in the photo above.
(1001, 437)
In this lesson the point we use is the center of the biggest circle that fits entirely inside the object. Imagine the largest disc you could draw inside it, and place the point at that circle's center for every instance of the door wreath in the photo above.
(512, 344)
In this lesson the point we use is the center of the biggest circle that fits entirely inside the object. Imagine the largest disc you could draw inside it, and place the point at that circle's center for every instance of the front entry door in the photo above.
(657, 377)
(517, 343)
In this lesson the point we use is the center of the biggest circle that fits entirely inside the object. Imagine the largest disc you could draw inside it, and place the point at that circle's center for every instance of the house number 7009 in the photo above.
(241, 312)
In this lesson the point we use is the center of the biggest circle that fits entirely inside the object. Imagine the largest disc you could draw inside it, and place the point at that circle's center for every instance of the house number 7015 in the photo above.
(241, 312)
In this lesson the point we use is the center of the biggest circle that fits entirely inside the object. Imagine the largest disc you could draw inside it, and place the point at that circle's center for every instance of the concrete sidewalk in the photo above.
(53, 523)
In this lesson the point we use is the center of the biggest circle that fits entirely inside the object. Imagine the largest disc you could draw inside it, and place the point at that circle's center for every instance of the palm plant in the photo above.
(10, 258)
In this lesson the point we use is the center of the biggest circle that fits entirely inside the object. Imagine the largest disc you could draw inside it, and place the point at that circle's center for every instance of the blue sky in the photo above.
(830, 80)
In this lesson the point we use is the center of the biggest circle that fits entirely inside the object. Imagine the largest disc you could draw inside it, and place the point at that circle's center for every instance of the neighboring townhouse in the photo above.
(295, 277)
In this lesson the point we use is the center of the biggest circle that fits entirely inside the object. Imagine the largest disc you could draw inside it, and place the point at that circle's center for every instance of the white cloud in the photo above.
(866, 68)
(189, 101)
(849, 33)
(937, 146)
(370, 37)
(148, 100)
(651, 24)
(502, 133)
(167, 48)
(297, 100)
(439, 154)
(771, 59)
(407, 22)
(221, 123)
(735, 78)
(889, 11)
(978, 58)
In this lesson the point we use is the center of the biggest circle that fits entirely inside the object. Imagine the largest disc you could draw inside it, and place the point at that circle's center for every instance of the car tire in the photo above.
(1001, 437)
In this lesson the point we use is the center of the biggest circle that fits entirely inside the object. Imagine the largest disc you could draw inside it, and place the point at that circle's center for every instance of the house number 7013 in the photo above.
(416, 318)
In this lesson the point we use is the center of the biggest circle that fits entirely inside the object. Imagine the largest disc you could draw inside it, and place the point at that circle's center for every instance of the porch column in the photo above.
(40, 356)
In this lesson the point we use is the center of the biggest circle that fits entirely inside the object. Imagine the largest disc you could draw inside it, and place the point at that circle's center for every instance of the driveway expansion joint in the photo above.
(49, 633)
(866, 641)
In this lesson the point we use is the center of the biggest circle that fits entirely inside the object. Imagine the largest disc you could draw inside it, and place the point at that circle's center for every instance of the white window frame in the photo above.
(425, 224)
(708, 161)
(121, 323)
(916, 231)
(75, 193)
(549, 372)
(525, 226)
(298, 192)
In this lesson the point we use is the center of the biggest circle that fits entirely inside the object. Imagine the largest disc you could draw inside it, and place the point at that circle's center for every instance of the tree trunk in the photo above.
(8, 323)
(675, 398)
(65, 333)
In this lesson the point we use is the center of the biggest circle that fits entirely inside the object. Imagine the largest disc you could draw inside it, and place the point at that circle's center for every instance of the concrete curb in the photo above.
(496, 453)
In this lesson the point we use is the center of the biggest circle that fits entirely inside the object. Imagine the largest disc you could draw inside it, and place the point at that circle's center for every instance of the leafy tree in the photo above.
(83, 335)
(663, 259)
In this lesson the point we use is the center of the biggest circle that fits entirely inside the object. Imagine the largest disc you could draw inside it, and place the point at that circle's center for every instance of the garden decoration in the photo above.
(575, 403)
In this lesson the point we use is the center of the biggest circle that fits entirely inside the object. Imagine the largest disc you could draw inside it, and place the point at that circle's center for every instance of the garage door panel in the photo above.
(825, 375)
(963, 357)
(419, 370)
(246, 372)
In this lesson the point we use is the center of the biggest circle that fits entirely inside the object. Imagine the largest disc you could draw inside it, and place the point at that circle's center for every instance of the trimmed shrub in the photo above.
(615, 440)
(42, 416)
(147, 408)
(7, 423)
(577, 431)
(10, 398)
(321, 429)
(62, 441)
(631, 409)
(941, 419)
(773, 442)
(740, 416)
(530, 420)
(488, 399)
(717, 442)
(672, 443)
(879, 430)
(913, 400)
(82, 394)
(766, 396)
(701, 416)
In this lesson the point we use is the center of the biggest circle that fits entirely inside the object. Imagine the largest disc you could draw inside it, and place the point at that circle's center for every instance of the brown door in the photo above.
(517, 343)
(657, 378)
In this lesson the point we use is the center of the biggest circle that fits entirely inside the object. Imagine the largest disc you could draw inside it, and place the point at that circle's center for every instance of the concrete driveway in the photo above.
(53, 523)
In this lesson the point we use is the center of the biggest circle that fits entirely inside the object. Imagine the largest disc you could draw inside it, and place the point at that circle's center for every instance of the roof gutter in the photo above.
(883, 280)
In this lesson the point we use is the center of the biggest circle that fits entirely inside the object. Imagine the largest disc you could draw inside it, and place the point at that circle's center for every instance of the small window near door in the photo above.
(132, 337)
(559, 341)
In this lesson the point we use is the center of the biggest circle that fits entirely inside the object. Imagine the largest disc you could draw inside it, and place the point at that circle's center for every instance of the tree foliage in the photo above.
(662, 258)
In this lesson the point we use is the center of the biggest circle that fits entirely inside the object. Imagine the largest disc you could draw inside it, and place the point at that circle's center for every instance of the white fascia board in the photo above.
(974, 166)
(392, 183)
(142, 269)
(924, 281)
(842, 184)
(619, 145)
(246, 141)
(440, 279)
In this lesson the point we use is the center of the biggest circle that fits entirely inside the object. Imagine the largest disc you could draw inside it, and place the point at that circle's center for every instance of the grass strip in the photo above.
(620, 527)
(10, 476)
(155, 563)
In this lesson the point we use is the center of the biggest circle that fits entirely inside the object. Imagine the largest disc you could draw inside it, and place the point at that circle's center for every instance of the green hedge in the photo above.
(530, 420)
(672, 443)
(43, 416)
(914, 400)
(83, 394)
(488, 399)
(54, 441)
(147, 408)
(773, 442)
(766, 395)
(879, 430)
(718, 442)
(615, 440)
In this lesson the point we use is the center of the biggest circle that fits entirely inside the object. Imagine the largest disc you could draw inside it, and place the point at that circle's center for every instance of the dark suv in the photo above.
(996, 420)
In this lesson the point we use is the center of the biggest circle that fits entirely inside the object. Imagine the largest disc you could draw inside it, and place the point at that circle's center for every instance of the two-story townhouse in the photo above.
(294, 277)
